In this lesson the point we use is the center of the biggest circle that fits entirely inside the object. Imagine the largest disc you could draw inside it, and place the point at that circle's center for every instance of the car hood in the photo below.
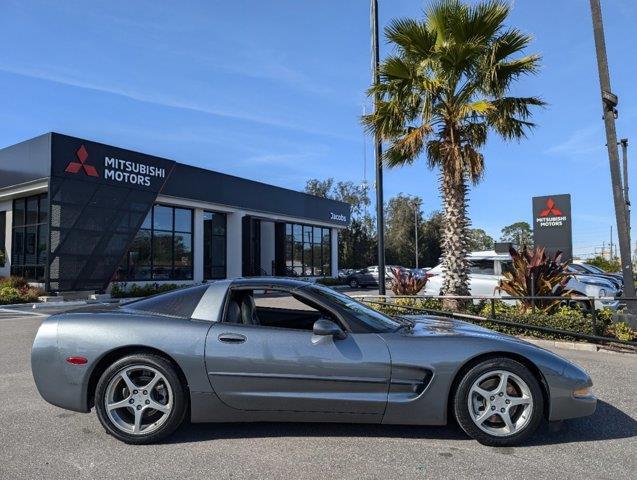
(428, 325)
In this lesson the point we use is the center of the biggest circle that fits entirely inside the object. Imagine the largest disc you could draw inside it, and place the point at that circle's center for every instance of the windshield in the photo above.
(365, 314)
(593, 268)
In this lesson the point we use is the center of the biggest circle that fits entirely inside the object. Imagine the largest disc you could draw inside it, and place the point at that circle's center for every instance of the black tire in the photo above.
(353, 283)
(461, 400)
(179, 398)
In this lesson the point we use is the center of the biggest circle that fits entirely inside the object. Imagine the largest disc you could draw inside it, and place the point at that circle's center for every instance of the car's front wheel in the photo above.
(140, 399)
(353, 283)
(499, 402)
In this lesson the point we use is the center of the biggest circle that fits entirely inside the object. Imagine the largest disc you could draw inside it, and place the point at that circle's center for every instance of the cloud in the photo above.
(581, 142)
(161, 99)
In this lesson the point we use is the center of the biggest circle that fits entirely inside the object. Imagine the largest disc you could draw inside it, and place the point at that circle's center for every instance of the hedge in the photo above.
(18, 290)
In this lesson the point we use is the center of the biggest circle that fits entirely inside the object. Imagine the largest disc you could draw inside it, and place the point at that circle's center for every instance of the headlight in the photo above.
(583, 392)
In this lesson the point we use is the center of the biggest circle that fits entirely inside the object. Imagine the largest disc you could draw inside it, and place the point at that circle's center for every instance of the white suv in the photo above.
(486, 272)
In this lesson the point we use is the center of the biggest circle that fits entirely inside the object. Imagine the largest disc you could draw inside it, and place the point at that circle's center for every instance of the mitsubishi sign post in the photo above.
(552, 224)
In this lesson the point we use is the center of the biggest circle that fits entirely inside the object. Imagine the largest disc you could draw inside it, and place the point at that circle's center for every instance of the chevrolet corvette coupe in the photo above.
(282, 350)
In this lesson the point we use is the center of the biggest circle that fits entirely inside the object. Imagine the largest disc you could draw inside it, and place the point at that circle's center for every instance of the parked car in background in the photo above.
(619, 284)
(421, 272)
(368, 277)
(486, 272)
(587, 268)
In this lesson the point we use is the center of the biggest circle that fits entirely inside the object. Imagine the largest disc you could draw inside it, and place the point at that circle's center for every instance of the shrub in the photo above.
(120, 290)
(405, 282)
(18, 290)
(536, 274)
(623, 331)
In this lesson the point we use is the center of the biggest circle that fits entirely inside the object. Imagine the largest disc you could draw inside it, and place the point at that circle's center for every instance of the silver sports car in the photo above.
(283, 350)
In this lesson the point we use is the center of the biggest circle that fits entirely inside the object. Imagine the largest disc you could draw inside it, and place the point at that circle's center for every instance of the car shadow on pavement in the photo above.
(210, 431)
(608, 422)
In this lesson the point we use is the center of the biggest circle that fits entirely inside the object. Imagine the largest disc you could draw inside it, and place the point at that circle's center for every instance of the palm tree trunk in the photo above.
(455, 239)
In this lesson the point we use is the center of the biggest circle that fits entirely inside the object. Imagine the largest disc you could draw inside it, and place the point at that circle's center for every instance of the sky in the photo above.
(273, 91)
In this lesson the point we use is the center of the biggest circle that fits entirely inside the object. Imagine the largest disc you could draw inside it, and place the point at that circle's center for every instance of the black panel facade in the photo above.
(99, 197)
(26, 161)
(207, 186)
(552, 227)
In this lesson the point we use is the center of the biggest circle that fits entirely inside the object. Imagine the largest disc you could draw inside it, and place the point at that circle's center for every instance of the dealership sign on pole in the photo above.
(552, 224)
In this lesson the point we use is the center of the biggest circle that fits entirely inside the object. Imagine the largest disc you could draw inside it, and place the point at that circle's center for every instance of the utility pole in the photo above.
(611, 243)
(609, 102)
(378, 156)
(624, 143)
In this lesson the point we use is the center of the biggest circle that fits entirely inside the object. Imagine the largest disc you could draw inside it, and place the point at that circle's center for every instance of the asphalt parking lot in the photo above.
(38, 440)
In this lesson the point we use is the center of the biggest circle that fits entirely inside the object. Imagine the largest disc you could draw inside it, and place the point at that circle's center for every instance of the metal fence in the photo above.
(386, 300)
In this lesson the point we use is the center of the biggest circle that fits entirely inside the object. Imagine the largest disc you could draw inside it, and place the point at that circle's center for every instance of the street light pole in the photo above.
(609, 102)
(378, 156)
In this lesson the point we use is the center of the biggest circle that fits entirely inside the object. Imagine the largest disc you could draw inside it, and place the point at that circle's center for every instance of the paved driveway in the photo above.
(38, 440)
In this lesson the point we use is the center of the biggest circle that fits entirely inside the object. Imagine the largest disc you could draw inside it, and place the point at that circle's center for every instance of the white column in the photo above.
(8, 237)
(334, 252)
(197, 253)
(234, 251)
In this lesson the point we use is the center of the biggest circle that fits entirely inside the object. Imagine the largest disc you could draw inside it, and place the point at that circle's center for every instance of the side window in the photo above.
(272, 308)
(482, 267)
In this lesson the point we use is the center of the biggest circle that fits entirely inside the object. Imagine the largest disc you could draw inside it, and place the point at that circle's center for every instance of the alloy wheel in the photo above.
(500, 403)
(138, 399)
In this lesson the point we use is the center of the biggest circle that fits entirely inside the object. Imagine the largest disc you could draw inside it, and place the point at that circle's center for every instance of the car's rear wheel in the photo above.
(140, 399)
(499, 402)
(354, 283)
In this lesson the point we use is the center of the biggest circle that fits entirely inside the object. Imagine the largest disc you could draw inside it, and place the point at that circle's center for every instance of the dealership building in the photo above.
(76, 215)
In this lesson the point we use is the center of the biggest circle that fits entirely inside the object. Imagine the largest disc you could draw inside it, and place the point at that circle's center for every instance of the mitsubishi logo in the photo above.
(551, 209)
(74, 167)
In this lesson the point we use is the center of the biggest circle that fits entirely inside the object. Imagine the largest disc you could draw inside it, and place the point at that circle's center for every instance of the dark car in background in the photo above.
(368, 277)
(588, 269)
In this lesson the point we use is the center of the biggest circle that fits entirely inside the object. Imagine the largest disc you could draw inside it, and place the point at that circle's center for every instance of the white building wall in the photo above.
(334, 252)
(7, 206)
(197, 245)
(234, 251)
(267, 246)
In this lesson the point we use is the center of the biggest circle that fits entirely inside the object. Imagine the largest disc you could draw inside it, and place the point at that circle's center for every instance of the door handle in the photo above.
(232, 338)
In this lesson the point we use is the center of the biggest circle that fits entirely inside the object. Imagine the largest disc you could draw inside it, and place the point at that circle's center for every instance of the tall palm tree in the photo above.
(439, 95)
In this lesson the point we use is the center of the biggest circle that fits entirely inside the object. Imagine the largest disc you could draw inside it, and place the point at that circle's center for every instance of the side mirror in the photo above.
(323, 326)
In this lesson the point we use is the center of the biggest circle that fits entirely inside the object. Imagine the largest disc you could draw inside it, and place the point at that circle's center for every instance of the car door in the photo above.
(256, 367)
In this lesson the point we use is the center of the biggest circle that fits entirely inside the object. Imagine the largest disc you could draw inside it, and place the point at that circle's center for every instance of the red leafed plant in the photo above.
(536, 274)
(405, 282)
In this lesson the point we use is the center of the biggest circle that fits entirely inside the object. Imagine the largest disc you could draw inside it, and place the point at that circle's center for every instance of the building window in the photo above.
(307, 250)
(214, 245)
(29, 237)
(162, 248)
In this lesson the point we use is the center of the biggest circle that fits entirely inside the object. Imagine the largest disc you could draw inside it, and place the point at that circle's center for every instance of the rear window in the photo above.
(178, 303)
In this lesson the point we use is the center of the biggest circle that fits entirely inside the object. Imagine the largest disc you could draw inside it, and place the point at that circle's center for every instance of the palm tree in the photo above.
(439, 95)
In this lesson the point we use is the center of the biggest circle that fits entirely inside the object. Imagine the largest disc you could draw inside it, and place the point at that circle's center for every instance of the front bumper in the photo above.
(564, 404)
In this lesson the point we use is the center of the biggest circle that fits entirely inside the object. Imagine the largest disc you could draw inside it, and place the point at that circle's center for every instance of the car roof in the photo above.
(489, 255)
